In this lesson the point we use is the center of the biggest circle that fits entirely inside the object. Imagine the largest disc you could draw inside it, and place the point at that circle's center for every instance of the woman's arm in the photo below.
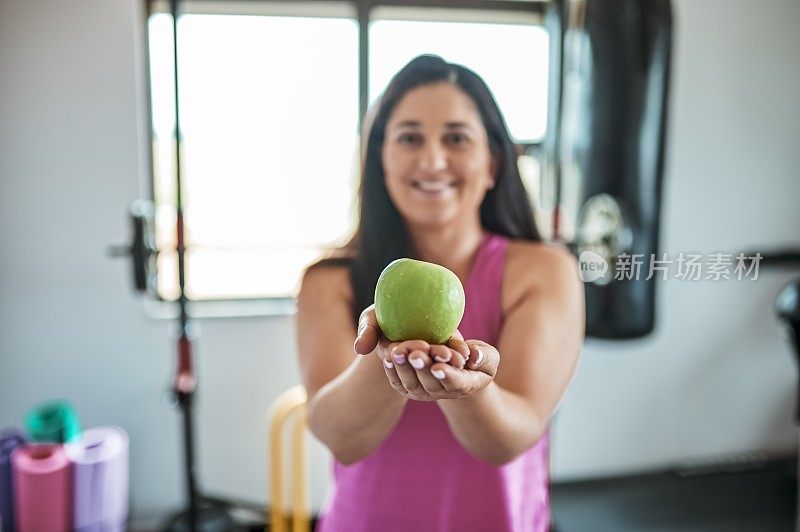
(538, 348)
(351, 407)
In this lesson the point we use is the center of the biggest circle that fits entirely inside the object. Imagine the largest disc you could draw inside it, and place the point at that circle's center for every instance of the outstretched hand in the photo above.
(426, 372)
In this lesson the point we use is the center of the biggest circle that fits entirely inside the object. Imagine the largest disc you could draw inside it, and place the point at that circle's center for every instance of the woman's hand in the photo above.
(419, 375)
(370, 339)
(427, 372)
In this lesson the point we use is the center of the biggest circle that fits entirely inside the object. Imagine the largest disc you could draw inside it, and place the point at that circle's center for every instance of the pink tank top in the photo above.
(405, 486)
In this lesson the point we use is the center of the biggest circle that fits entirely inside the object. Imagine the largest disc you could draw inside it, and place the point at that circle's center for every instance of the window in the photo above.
(269, 109)
(492, 50)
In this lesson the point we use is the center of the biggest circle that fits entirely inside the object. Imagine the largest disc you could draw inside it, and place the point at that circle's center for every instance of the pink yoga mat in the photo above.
(100, 472)
(42, 488)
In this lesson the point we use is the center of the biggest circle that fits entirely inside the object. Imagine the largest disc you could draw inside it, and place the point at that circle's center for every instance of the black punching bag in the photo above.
(609, 151)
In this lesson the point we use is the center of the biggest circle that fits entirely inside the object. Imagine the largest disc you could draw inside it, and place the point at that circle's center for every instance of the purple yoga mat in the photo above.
(10, 439)
(100, 460)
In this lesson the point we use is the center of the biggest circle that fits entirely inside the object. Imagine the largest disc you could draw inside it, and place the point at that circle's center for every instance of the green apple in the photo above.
(418, 300)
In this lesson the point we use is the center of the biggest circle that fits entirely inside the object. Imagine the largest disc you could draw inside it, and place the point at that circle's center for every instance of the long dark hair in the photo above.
(381, 235)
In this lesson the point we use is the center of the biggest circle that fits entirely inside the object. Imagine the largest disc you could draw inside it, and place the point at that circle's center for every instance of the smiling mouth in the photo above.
(433, 186)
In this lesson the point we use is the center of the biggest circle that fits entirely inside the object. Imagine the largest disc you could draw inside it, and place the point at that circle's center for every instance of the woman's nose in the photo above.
(432, 158)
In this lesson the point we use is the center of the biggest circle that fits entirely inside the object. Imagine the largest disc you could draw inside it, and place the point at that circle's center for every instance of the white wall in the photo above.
(715, 378)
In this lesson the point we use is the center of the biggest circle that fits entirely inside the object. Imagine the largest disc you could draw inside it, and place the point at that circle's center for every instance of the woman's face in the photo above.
(436, 157)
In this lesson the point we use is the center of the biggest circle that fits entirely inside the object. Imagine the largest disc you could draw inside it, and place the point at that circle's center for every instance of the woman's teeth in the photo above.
(436, 186)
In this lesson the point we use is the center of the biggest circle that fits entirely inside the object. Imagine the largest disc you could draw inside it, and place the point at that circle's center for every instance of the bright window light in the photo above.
(269, 122)
(511, 58)
(269, 117)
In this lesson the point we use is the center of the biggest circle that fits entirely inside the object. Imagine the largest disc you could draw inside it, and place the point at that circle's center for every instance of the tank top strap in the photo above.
(483, 313)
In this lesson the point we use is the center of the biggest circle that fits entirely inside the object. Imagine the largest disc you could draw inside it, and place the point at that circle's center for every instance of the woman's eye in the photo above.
(408, 138)
(457, 138)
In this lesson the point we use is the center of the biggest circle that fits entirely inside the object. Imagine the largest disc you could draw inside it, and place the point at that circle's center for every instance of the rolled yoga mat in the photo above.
(42, 488)
(53, 421)
(100, 469)
(10, 439)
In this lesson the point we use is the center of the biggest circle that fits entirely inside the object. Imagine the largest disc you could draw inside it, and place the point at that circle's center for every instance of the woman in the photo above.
(440, 437)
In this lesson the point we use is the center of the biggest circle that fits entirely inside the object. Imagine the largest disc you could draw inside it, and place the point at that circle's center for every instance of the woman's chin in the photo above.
(432, 222)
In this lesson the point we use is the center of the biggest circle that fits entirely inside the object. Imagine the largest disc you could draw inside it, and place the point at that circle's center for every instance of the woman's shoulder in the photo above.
(533, 266)
(547, 254)
(327, 278)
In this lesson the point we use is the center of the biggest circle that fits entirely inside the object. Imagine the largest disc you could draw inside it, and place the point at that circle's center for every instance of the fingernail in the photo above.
(388, 363)
(418, 363)
(437, 358)
(399, 359)
(438, 373)
(479, 357)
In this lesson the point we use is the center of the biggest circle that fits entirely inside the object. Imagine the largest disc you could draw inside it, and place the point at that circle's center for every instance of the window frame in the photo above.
(360, 10)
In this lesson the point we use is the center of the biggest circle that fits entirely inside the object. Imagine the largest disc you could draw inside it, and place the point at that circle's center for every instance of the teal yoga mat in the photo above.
(53, 421)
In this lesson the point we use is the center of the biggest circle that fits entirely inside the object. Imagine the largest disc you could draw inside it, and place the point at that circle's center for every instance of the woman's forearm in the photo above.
(354, 412)
(494, 425)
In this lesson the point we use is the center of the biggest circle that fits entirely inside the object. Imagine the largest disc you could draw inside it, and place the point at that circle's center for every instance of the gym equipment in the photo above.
(787, 309)
(100, 479)
(10, 439)
(787, 302)
(605, 146)
(53, 421)
(201, 513)
(290, 404)
(42, 488)
(787, 306)
(142, 249)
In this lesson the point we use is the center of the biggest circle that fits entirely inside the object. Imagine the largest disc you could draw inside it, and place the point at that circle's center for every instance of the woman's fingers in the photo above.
(479, 371)
(442, 353)
(458, 360)
(396, 364)
(411, 345)
(454, 380)
(421, 362)
(483, 357)
(368, 333)
(457, 343)
(391, 374)
(405, 371)
(459, 382)
(425, 371)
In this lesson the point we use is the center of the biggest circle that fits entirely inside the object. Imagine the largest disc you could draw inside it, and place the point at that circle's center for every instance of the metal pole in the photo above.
(185, 381)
